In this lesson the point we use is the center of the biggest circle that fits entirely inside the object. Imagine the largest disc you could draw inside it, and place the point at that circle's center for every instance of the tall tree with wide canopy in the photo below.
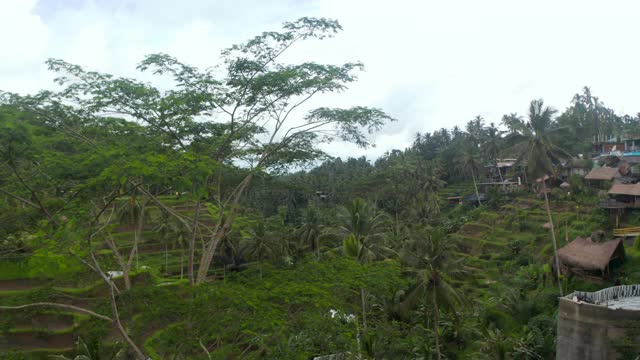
(533, 139)
(245, 110)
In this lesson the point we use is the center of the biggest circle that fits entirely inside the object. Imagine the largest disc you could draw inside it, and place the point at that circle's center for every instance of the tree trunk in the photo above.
(436, 324)
(116, 317)
(166, 259)
(192, 243)
(126, 278)
(223, 229)
(475, 186)
(553, 234)
(364, 311)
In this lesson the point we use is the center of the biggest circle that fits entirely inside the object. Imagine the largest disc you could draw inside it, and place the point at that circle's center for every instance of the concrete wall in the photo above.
(585, 331)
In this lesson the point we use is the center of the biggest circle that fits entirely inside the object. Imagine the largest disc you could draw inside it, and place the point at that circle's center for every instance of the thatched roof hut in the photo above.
(602, 174)
(625, 189)
(584, 257)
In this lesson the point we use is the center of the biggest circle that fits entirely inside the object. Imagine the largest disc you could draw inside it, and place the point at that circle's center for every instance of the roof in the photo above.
(505, 163)
(632, 159)
(625, 189)
(603, 173)
(565, 185)
(588, 255)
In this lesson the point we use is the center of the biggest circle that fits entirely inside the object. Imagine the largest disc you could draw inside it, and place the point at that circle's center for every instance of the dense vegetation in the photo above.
(222, 251)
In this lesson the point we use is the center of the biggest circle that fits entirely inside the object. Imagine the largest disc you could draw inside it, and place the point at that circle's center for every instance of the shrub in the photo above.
(636, 244)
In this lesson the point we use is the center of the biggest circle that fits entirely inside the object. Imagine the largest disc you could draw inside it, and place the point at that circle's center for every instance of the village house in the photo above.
(623, 196)
(602, 177)
(497, 172)
(627, 142)
(591, 260)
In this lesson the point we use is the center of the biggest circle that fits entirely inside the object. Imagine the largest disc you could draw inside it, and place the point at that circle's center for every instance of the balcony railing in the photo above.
(615, 204)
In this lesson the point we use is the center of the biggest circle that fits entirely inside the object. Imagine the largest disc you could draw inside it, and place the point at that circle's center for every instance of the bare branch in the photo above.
(63, 306)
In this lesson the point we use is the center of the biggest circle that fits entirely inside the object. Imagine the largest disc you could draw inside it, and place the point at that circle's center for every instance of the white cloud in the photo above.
(431, 64)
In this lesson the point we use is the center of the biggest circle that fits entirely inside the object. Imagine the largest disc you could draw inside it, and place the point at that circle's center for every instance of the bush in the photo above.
(636, 244)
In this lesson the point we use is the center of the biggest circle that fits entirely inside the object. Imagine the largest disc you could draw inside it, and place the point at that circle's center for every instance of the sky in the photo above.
(429, 64)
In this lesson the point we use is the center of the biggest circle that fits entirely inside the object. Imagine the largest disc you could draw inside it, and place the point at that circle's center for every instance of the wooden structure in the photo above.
(622, 196)
(599, 177)
(627, 232)
(590, 260)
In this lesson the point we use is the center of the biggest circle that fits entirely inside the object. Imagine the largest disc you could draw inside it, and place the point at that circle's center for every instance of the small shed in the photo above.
(599, 176)
(589, 259)
(627, 195)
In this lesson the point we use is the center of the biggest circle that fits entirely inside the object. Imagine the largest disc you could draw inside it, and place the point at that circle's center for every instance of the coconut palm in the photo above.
(476, 130)
(311, 230)
(512, 122)
(363, 227)
(433, 183)
(258, 243)
(533, 139)
(492, 144)
(172, 234)
(432, 258)
(130, 211)
(468, 162)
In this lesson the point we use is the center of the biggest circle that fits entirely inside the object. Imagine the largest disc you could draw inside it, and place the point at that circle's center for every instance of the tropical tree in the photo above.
(512, 122)
(245, 109)
(476, 130)
(363, 229)
(492, 145)
(131, 212)
(468, 162)
(311, 230)
(533, 139)
(172, 234)
(433, 183)
(258, 243)
(431, 256)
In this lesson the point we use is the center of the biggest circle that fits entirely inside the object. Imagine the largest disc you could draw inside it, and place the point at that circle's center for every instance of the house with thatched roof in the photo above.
(622, 196)
(600, 177)
(589, 259)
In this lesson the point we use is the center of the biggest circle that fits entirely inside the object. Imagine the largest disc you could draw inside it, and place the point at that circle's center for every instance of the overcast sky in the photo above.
(430, 64)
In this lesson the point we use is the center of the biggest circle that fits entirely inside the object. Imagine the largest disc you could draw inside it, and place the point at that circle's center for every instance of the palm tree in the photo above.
(496, 344)
(533, 139)
(258, 243)
(363, 227)
(172, 234)
(311, 230)
(432, 258)
(433, 183)
(512, 122)
(164, 229)
(476, 130)
(492, 145)
(468, 162)
(132, 213)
